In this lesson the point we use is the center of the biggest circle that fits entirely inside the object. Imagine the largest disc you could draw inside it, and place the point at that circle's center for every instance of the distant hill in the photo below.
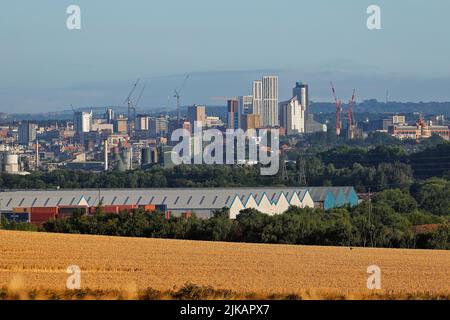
(219, 111)
(368, 106)
(374, 106)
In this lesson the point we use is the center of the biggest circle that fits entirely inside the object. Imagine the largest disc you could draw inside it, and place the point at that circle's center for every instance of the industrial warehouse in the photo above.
(37, 206)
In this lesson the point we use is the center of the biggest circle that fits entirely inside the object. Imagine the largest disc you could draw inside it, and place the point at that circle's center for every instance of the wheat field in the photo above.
(38, 261)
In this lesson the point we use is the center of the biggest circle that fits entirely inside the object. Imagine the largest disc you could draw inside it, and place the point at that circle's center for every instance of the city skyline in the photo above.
(47, 67)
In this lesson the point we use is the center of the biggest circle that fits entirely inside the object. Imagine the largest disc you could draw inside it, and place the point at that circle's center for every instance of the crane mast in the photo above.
(140, 96)
(350, 110)
(131, 108)
(351, 118)
(177, 95)
(338, 110)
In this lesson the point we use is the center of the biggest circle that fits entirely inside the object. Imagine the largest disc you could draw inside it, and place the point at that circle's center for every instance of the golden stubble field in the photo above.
(39, 261)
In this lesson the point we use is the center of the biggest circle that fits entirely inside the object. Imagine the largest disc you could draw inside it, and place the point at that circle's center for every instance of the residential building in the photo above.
(292, 116)
(196, 113)
(270, 101)
(109, 115)
(142, 122)
(245, 105)
(257, 97)
(233, 117)
(27, 132)
(301, 91)
(82, 122)
(158, 126)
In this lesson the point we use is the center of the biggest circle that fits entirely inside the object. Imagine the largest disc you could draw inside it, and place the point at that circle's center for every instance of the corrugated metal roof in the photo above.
(301, 194)
(175, 198)
(319, 194)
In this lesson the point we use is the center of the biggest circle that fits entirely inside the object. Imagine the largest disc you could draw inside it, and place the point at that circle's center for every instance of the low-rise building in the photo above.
(421, 130)
(177, 201)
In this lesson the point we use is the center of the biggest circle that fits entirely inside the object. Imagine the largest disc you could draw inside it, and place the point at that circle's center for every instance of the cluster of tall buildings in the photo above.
(262, 109)
(118, 141)
(153, 125)
(84, 123)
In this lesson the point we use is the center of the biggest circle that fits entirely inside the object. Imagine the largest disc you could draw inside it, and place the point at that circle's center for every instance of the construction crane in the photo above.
(131, 107)
(338, 110)
(140, 96)
(351, 118)
(73, 116)
(350, 110)
(177, 95)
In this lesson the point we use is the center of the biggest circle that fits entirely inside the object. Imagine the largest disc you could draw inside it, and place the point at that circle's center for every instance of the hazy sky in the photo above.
(224, 45)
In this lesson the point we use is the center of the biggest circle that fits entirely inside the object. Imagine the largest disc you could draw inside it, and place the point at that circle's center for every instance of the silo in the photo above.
(12, 159)
(146, 156)
(155, 155)
(106, 163)
(12, 163)
(126, 158)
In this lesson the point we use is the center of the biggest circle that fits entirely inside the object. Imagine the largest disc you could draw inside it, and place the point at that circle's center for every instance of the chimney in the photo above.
(131, 158)
(106, 155)
(37, 154)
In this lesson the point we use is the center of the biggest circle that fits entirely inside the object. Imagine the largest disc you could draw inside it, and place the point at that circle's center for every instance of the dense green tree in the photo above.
(434, 196)
(399, 200)
(441, 238)
(431, 162)
(375, 224)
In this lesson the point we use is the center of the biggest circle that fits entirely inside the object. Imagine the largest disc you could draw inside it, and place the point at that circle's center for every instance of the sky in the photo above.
(223, 45)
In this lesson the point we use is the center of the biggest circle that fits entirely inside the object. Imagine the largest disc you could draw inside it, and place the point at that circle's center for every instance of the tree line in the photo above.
(392, 218)
(379, 168)
(382, 227)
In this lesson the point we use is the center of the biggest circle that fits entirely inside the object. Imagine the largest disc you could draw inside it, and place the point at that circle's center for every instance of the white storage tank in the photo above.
(12, 159)
(11, 162)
